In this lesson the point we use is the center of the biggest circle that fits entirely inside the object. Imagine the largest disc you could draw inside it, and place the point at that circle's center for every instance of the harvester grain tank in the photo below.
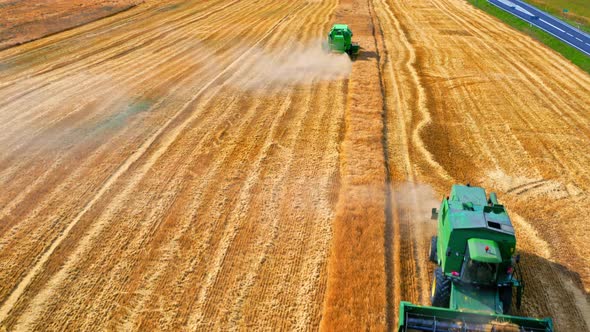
(340, 40)
(477, 278)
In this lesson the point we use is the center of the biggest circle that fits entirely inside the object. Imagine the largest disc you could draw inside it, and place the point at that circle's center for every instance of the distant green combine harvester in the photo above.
(340, 40)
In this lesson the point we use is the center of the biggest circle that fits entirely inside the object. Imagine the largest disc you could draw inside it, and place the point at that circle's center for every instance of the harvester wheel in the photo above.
(433, 255)
(441, 289)
(506, 299)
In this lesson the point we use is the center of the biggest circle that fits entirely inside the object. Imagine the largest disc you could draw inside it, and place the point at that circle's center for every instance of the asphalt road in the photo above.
(546, 22)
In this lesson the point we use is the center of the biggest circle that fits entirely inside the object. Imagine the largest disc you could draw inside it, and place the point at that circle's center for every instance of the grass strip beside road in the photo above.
(578, 11)
(569, 52)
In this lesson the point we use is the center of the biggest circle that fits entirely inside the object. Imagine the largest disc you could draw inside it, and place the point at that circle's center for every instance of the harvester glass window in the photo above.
(478, 272)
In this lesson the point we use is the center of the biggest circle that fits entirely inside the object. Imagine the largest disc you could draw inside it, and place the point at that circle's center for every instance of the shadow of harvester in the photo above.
(553, 290)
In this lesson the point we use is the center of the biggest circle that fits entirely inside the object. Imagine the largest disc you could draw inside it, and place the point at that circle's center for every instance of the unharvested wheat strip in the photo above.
(355, 295)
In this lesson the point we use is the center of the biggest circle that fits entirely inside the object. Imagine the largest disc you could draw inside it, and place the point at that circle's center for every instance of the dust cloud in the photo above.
(417, 200)
(293, 65)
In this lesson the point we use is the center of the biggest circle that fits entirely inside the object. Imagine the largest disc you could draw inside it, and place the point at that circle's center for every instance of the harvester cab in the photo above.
(340, 40)
(477, 272)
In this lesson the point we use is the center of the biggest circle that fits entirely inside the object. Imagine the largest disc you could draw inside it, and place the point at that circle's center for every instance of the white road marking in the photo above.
(542, 20)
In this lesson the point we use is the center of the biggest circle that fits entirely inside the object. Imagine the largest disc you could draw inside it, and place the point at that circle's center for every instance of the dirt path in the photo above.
(195, 165)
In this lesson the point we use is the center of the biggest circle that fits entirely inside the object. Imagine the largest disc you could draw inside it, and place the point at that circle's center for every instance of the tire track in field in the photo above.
(409, 278)
(20, 288)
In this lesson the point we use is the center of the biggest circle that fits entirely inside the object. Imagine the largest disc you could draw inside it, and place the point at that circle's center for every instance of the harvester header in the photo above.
(472, 287)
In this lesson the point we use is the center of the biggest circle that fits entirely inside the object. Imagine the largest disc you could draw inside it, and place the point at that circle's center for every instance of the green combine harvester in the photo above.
(340, 40)
(472, 288)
